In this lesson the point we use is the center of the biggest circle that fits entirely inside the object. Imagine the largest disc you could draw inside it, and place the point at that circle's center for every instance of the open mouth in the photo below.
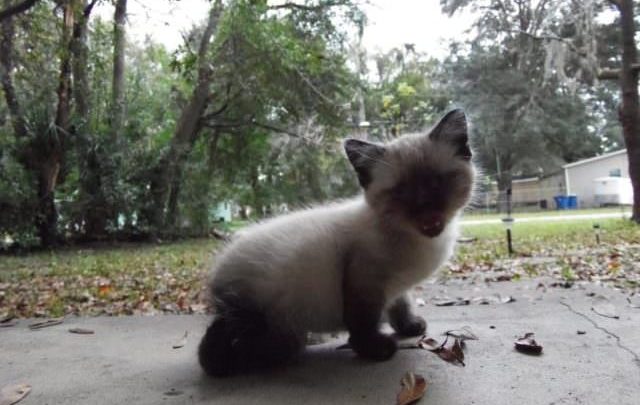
(432, 227)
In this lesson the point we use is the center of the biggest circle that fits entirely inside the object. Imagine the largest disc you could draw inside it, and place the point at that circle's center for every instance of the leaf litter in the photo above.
(413, 388)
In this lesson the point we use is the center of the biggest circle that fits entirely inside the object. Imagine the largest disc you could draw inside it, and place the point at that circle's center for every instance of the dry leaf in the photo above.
(463, 334)
(182, 341)
(13, 394)
(603, 307)
(452, 354)
(47, 323)
(634, 302)
(81, 331)
(527, 344)
(413, 388)
(447, 302)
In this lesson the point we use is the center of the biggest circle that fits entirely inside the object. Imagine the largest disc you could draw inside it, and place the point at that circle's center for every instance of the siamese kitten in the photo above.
(343, 266)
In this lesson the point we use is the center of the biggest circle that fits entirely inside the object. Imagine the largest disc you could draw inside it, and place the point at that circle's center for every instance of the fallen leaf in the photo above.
(104, 290)
(81, 331)
(173, 392)
(507, 299)
(463, 334)
(527, 344)
(447, 302)
(413, 388)
(13, 394)
(7, 318)
(634, 302)
(452, 354)
(603, 307)
(47, 323)
(182, 341)
(581, 332)
(8, 321)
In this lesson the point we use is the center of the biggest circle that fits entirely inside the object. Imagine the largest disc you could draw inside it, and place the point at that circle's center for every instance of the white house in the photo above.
(600, 180)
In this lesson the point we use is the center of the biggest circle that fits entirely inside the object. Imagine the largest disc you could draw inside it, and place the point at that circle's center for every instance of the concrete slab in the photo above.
(130, 360)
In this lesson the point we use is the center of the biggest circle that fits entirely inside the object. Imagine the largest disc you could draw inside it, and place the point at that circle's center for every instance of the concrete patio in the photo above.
(130, 360)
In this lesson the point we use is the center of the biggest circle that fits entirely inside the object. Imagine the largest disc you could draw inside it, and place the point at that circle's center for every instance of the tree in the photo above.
(629, 111)
(525, 87)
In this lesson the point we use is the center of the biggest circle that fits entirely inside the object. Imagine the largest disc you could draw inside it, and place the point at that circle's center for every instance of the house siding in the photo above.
(581, 176)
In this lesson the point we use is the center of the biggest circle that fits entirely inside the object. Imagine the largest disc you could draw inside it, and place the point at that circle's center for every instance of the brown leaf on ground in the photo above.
(451, 353)
(13, 394)
(81, 331)
(603, 307)
(413, 388)
(527, 344)
(182, 342)
(447, 302)
(47, 323)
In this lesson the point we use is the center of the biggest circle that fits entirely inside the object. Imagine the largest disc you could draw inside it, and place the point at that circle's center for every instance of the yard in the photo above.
(170, 278)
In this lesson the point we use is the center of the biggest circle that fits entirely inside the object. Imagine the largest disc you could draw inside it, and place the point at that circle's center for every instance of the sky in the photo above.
(391, 23)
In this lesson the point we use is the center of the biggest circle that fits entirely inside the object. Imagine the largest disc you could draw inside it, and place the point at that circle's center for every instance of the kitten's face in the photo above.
(419, 182)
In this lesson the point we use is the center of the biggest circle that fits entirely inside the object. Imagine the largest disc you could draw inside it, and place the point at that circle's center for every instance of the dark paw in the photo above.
(414, 326)
(376, 347)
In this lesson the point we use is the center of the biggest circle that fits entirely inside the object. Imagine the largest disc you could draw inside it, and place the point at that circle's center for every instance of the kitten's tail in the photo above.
(241, 339)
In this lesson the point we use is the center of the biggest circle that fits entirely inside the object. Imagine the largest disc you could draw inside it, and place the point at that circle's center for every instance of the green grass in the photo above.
(114, 280)
(170, 278)
(478, 215)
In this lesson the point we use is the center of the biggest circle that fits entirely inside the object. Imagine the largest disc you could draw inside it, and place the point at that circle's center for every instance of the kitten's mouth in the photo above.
(432, 227)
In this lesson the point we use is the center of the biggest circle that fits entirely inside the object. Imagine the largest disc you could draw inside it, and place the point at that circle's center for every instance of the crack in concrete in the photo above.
(636, 357)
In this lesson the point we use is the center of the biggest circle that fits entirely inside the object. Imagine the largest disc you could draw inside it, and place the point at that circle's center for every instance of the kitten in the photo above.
(341, 266)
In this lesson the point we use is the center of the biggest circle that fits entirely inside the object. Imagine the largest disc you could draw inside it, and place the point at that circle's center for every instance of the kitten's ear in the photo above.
(453, 128)
(363, 156)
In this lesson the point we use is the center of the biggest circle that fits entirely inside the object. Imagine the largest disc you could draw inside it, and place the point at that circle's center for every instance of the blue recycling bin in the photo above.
(566, 202)
(562, 202)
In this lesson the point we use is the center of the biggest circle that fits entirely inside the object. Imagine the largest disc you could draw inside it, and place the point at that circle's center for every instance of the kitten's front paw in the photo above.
(414, 326)
(376, 347)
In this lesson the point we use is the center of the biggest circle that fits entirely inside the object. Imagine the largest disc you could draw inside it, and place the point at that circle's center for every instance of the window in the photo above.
(615, 173)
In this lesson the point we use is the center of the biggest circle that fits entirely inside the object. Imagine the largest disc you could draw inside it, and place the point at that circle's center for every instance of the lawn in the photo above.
(170, 278)
(116, 280)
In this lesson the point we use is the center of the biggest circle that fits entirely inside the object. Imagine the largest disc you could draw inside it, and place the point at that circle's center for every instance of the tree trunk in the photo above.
(185, 135)
(630, 109)
(117, 96)
(94, 216)
(6, 72)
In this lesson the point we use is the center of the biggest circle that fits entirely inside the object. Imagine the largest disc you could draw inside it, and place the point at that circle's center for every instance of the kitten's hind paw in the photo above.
(376, 347)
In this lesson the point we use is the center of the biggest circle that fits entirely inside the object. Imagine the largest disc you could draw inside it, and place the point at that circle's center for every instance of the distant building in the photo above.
(222, 212)
(600, 180)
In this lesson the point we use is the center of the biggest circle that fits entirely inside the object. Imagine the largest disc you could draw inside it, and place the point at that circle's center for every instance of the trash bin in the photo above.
(572, 202)
(562, 202)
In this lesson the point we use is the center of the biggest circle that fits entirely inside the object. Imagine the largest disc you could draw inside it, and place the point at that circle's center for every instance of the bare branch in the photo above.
(304, 7)
(17, 9)
(609, 74)
(551, 37)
